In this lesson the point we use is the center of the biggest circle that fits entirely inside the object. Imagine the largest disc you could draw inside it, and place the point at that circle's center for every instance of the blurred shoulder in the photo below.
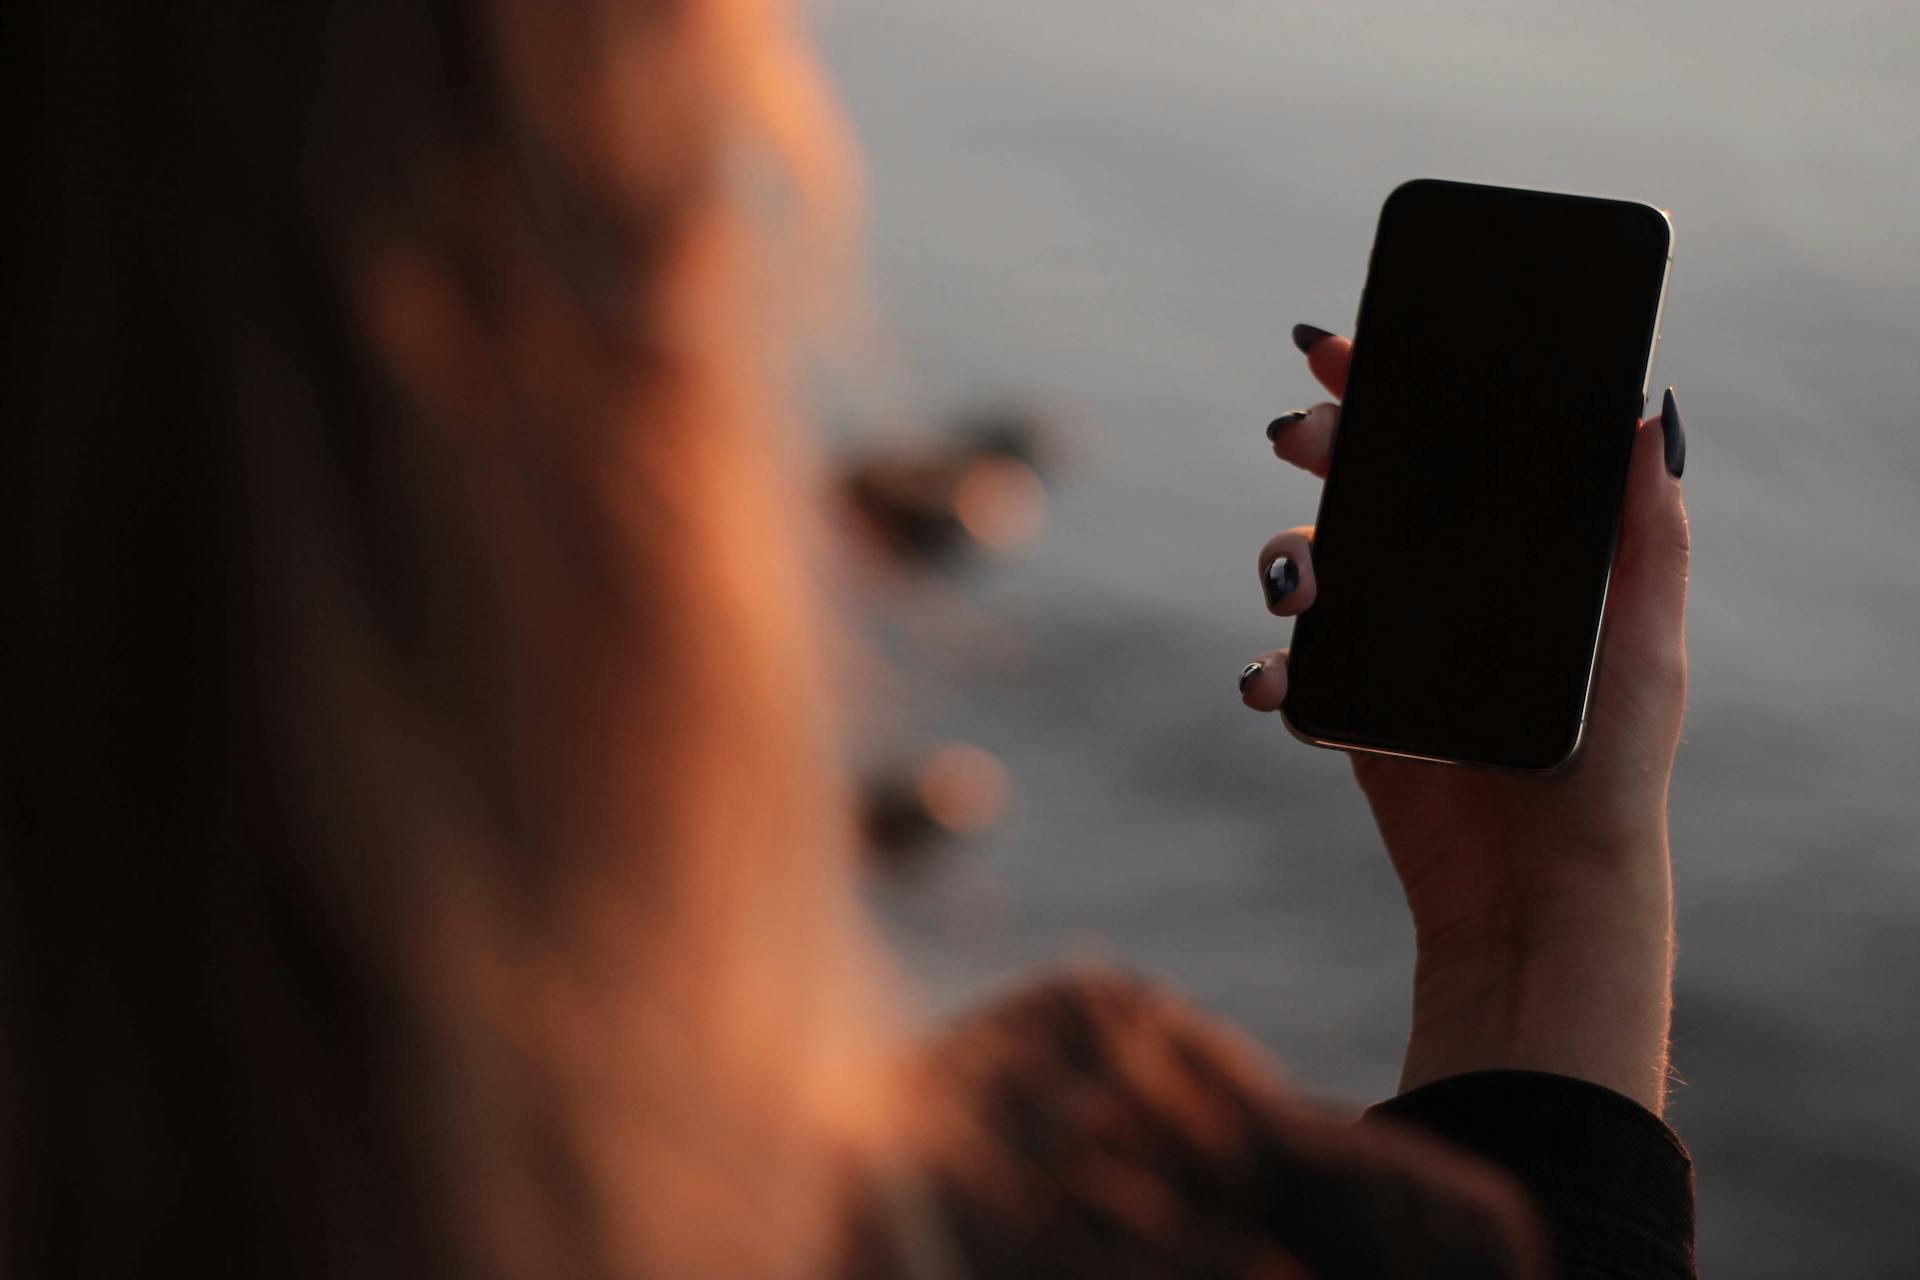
(1100, 1125)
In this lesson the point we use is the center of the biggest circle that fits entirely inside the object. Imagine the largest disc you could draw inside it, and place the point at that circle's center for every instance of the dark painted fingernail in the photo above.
(1247, 673)
(1282, 422)
(1675, 434)
(1281, 577)
(1305, 335)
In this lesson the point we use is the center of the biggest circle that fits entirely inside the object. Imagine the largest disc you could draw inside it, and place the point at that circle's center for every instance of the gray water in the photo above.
(1123, 207)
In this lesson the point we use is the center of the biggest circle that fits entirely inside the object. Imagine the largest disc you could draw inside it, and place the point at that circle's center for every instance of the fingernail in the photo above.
(1305, 335)
(1674, 433)
(1282, 422)
(1247, 673)
(1281, 577)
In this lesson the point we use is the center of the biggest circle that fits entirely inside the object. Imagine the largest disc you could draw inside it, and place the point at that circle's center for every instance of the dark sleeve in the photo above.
(1613, 1183)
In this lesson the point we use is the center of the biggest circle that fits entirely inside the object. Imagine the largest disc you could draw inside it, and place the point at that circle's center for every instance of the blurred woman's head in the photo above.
(420, 839)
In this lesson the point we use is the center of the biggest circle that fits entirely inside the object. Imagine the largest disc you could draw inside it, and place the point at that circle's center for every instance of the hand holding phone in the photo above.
(1541, 902)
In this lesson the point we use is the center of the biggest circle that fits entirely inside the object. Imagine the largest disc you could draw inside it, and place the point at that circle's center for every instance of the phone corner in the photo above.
(1659, 225)
(1293, 727)
(1412, 188)
(1557, 762)
(1305, 735)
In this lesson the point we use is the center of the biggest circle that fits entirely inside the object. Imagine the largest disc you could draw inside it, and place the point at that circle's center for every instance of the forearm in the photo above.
(1577, 981)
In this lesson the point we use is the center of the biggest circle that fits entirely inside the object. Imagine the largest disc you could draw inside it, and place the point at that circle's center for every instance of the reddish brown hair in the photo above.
(421, 845)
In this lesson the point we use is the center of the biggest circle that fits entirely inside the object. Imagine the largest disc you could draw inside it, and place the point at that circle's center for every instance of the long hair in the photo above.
(422, 845)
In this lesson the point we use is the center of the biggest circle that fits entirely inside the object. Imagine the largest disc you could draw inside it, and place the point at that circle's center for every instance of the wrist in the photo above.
(1572, 977)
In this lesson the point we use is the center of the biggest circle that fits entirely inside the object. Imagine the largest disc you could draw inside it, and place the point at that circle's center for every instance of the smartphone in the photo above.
(1466, 531)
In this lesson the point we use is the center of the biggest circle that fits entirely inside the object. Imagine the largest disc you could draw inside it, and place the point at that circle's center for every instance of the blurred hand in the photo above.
(1542, 906)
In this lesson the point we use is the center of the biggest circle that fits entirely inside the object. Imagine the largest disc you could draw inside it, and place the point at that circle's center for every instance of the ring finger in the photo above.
(1286, 572)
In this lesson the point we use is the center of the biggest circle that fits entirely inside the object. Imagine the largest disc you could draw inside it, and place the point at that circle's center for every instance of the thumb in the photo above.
(1647, 610)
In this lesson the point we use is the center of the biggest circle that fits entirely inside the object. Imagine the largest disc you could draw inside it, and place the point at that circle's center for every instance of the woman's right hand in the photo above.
(1542, 905)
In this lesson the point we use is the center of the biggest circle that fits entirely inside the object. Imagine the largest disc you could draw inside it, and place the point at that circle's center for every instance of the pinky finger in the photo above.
(1263, 683)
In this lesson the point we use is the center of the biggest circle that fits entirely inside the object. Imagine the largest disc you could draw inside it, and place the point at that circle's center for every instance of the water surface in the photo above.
(1125, 206)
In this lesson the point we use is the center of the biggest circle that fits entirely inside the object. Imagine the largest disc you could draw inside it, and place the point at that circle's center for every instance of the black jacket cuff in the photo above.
(1614, 1183)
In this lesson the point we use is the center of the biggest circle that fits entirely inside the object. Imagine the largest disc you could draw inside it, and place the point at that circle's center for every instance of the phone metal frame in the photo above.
(1613, 549)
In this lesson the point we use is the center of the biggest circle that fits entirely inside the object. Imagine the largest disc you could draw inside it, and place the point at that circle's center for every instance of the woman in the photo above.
(422, 847)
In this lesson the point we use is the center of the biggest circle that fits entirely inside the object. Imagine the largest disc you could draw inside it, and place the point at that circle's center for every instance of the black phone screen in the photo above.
(1466, 530)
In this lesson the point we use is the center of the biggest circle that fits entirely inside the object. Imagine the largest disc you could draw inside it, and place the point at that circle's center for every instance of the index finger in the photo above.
(1328, 356)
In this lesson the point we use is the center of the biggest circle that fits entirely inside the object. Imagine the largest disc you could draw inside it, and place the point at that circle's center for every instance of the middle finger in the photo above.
(1305, 437)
